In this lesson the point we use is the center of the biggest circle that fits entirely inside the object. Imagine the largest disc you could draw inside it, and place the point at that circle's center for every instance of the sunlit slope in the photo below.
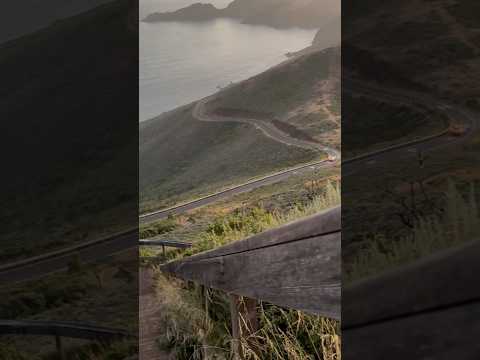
(301, 96)
(182, 157)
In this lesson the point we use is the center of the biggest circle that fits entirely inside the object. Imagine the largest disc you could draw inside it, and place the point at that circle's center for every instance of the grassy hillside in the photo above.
(303, 92)
(407, 41)
(69, 149)
(182, 157)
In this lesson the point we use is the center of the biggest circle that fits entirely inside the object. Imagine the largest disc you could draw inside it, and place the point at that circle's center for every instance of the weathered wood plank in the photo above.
(439, 280)
(295, 266)
(441, 335)
(322, 223)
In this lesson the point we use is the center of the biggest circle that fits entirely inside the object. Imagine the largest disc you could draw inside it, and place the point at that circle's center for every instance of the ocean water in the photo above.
(183, 62)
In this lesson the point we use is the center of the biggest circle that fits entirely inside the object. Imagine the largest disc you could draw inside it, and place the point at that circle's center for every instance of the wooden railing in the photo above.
(428, 309)
(295, 266)
(60, 329)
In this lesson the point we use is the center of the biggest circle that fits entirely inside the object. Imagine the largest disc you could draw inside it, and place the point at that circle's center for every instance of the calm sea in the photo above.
(183, 62)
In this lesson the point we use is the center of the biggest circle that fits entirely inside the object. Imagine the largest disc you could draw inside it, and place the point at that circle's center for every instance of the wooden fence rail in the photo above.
(429, 309)
(296, 266)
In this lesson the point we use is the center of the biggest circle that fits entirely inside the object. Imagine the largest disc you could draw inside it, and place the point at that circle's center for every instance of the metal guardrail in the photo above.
(166, 243)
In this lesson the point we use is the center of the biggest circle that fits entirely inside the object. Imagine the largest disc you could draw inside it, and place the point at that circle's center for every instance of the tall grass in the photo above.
(292, 335)
(197, 322)
(459, 223)
(247, 222)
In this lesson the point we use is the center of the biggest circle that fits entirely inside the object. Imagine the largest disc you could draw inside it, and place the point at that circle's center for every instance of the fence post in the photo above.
(58, 343)
(204, 292)
(244, 322)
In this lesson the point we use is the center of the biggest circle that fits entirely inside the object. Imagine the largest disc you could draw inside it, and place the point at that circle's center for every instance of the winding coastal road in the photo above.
(268, 129)
(45, 264)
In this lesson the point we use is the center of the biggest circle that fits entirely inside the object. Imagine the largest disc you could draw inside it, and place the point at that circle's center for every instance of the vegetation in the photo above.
(443, 28)
(192, 328)
(459, 223)
(282, 88)
(73, 177)
(157, 228)
(374, 130)
(299, 100)
(91, 293)
(208, 157)
(116, 351)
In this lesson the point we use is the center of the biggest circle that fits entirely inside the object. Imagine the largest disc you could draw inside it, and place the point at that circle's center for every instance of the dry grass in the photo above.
(459, 223)
(197, 321)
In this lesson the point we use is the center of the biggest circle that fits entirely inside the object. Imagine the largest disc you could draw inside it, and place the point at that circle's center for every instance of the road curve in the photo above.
(267, 128)
(410, 149)
(49, 264)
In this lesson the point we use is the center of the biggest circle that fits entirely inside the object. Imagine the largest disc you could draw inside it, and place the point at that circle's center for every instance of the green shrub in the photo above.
(157, 228)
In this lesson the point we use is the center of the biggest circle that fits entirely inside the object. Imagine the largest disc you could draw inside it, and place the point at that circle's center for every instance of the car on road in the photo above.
(457, 129)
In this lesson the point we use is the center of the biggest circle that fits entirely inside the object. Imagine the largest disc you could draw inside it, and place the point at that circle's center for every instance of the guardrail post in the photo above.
(59, 345)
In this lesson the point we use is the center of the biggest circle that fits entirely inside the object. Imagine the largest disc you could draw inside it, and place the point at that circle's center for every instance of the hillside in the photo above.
(301, 96)
(182, 157)
(405, 43)
(277, 13)
(69, 148)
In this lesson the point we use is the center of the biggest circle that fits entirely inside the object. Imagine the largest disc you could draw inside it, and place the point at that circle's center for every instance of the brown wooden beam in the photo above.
(297, 266)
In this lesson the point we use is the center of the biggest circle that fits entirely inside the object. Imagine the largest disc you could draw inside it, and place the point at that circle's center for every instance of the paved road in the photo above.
(266, 127)
(125, 241)
(45, 265)
(269, 130)
(162, 214)
(411, 149)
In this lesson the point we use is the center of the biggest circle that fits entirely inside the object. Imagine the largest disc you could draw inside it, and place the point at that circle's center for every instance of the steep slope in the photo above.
(69, 148)
(182, 157)
(407, 41)
(300, 96)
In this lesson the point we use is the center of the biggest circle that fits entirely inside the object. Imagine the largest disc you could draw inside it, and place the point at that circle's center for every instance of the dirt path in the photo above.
(150, 329)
